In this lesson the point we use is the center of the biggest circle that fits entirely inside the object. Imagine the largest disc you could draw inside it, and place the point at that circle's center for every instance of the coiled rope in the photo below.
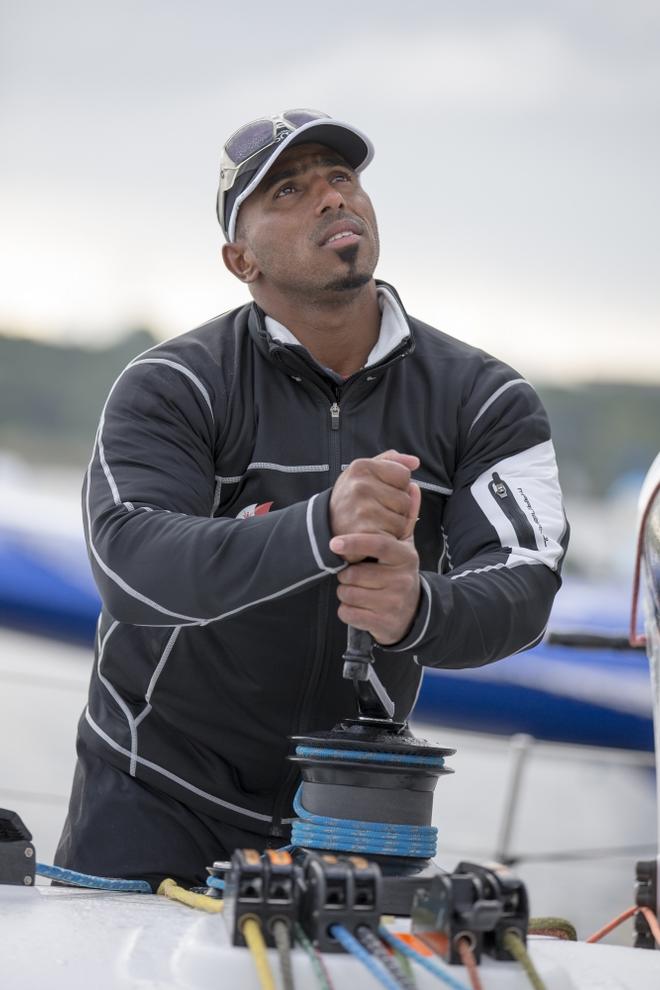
(371, 756)
(354, 835)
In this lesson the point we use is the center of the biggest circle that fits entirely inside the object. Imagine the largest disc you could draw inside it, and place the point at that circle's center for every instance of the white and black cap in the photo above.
(238, 181)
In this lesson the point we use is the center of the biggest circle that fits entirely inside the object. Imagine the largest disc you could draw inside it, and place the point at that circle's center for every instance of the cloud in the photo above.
(511, 68)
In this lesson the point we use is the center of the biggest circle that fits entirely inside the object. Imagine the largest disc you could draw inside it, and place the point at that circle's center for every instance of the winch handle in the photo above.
(360, 644)
(373, 700)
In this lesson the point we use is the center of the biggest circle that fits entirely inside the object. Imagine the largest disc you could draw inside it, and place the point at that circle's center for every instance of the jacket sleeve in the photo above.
(158, 556)
(505, 533)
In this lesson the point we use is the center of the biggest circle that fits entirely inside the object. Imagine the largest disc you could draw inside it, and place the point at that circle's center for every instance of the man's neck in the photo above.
(339, 335)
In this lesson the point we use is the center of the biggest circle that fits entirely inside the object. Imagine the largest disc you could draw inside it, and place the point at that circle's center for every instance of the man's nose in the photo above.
(329, 196)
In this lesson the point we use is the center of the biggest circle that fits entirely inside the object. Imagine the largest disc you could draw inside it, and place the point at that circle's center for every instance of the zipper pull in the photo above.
(334, 416)
(498, 486)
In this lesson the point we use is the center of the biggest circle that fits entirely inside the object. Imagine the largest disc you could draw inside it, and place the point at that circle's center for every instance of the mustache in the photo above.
(329, 221)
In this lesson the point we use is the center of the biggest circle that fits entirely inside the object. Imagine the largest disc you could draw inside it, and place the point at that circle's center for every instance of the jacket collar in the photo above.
(296, 359)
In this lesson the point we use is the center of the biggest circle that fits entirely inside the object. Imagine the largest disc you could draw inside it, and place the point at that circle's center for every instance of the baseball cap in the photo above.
(251, 151)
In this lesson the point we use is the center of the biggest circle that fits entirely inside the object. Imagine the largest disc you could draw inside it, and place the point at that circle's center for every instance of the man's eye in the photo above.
(284, 191)
(341, 177)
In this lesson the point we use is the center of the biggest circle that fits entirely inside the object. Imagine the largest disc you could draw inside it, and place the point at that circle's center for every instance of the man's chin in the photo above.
(349, 282)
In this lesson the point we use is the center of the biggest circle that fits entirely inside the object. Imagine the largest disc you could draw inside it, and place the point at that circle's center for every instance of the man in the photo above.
(254, 488)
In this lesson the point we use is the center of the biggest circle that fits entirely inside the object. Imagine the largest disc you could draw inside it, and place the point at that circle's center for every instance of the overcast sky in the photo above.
(515, 177)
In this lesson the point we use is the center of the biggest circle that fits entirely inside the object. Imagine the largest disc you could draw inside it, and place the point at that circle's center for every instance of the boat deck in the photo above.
(72, 939)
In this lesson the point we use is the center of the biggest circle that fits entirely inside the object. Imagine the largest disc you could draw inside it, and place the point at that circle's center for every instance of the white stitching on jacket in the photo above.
(269, 466)
(184, 371)
(496, 394)
(172, 776)
(404, 649)
(313, 541)
(114, 693)
(156, 674)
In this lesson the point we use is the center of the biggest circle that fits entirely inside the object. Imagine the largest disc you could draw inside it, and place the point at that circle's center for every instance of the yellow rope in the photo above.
(515, 945)
(251, 931)
(171, 889)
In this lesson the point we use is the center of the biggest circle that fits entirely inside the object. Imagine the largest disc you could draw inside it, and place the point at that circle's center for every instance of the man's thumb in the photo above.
(415, 493)
(408, 460)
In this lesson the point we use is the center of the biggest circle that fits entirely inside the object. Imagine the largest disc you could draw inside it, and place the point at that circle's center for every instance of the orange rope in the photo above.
(468, 960)
(652, 922)
(610, 926)
(415, 942)
(437, 941)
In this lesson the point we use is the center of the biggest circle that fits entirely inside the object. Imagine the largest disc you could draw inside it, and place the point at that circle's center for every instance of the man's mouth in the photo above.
(341, 234)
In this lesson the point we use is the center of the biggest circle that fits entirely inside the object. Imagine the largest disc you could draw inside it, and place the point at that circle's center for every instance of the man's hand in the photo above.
(373, 495)
(381, 597)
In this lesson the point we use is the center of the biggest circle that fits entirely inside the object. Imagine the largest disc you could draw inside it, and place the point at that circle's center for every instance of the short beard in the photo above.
(352, 279)
(348, 282)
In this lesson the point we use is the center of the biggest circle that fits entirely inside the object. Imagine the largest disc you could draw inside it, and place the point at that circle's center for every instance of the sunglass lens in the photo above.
(250, 139)
(300, 117)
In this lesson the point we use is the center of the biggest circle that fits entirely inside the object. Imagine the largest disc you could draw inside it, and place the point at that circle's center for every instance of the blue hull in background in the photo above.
(598, 696)
(46, 587)
(593, 697)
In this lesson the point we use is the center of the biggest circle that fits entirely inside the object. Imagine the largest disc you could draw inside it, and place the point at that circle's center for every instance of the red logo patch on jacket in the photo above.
(254, 510)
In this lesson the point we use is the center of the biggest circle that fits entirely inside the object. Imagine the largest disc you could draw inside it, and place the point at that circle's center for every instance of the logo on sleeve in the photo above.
(254, 510)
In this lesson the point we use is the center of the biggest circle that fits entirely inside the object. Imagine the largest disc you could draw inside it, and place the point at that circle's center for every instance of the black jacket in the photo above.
(206, 517)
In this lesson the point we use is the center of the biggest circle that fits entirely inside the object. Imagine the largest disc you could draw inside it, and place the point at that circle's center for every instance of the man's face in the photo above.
(310, 226)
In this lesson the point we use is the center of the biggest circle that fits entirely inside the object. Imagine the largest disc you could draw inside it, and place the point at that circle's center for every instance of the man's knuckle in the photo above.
(360, 468)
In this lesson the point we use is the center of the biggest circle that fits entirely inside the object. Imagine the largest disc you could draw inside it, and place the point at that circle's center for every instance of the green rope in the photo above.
(515, 945)
(558, 927)
(320, 971)
(406, 966)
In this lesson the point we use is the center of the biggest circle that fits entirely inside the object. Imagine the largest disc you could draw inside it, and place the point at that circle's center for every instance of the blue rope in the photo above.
(215, 882)
(433, 967)
(350, 835)
(96, 883)
(369, 756)
(351, 944)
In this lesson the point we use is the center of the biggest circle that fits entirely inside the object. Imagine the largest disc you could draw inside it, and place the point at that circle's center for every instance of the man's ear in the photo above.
(240, 261)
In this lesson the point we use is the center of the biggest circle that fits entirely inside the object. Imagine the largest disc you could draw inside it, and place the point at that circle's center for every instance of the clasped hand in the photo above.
(373, 509)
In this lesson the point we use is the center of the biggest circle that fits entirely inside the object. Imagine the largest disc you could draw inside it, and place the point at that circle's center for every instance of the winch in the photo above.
(367, 786)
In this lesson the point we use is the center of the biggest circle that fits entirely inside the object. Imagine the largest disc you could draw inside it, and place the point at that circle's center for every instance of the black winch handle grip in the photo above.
(359, 647)
(373, 700)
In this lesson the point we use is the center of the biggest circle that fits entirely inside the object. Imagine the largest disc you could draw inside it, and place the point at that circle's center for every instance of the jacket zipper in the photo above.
(521, 525)
(335, 446)
(291, 778)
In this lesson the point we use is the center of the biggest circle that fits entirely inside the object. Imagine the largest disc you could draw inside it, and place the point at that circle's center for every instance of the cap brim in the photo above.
(354, 147)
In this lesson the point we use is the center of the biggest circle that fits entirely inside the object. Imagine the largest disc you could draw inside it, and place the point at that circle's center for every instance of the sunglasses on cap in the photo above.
(249, 141)
(251, 150)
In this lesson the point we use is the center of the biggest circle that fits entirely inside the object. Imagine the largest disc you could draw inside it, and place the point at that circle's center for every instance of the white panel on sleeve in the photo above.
(532, 479)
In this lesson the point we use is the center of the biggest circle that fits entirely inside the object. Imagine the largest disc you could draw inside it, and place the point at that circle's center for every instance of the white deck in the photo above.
(74, 940)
